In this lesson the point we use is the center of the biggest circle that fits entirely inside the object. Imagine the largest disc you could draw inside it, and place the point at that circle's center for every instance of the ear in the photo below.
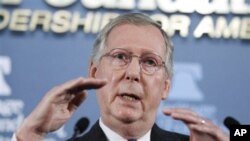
(166, 89)
(92, 69)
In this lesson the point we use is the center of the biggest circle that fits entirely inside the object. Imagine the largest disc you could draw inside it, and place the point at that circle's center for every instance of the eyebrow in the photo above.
(143, 52)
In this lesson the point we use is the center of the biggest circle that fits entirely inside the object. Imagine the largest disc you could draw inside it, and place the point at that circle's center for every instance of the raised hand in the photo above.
(56, 108)
(201, 129)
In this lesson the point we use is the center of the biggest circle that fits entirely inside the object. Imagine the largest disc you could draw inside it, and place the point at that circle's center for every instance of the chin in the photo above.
(128, 118)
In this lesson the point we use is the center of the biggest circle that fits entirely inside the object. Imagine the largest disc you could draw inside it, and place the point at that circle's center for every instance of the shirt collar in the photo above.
(113, 136)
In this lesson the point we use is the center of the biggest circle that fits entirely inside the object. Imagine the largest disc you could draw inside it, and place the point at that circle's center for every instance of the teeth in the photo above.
(129, 98)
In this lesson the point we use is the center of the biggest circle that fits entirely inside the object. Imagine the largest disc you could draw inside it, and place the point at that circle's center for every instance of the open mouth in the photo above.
(129, 97)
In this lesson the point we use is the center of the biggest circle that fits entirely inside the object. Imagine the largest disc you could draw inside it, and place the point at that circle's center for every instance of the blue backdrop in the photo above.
(211, 73)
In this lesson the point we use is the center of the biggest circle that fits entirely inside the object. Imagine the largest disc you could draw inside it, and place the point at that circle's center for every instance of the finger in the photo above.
(186, 115)
(200, 128)
(76, 101)
(84, 84)
(213, 131)
(169, 111)
(63, 98)
(61, 93)
(205, 130)
(185, 118)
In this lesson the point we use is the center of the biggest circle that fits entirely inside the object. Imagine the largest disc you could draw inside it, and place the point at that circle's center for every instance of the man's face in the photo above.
(117, 99)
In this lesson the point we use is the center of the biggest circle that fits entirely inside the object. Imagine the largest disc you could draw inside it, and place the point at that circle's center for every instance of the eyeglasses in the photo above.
(120, 58)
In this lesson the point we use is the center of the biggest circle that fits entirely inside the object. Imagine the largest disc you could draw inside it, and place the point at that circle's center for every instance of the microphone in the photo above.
(80, 126)
(229, 121)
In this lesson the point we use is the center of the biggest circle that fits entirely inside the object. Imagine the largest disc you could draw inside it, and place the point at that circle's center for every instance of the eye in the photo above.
(149, 61)
(120, 56)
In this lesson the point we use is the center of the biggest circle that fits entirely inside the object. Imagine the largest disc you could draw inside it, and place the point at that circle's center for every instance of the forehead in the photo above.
(140, 38)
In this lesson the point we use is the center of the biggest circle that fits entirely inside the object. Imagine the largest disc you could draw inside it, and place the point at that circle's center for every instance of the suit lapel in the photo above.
(94, 134)
(157, 134)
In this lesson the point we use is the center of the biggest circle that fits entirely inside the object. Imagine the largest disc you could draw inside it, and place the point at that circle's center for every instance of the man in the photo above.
(131, 70)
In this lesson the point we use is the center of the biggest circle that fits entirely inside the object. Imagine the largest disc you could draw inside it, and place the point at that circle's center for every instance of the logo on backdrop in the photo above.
(11, 111)
(5, 69)
(185, 82)
(186, 93)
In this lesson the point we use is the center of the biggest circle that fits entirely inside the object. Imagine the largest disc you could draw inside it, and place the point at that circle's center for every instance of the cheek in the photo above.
(101, 93)
(102, 97)
(102, 71)
(106, 93)
(154, 89)
(105, 72)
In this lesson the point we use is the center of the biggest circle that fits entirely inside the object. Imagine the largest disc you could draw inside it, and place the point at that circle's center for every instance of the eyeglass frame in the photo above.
(130, 57)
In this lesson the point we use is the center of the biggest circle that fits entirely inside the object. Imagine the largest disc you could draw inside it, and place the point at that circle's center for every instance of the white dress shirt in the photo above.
(13, 137)
(113, 136)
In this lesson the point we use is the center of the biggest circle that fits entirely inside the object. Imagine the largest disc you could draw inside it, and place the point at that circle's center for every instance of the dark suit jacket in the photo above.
(157, 134)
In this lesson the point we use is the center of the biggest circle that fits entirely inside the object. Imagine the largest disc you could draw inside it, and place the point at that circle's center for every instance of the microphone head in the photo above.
(81, 125)
(229, 121)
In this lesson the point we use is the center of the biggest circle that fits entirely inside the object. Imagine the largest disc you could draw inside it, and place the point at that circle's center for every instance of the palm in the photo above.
(57, 112)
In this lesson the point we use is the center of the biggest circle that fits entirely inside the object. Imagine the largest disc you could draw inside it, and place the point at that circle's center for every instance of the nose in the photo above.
(133, 71)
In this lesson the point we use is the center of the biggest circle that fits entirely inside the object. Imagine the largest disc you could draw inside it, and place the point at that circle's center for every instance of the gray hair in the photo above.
(135, 19)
